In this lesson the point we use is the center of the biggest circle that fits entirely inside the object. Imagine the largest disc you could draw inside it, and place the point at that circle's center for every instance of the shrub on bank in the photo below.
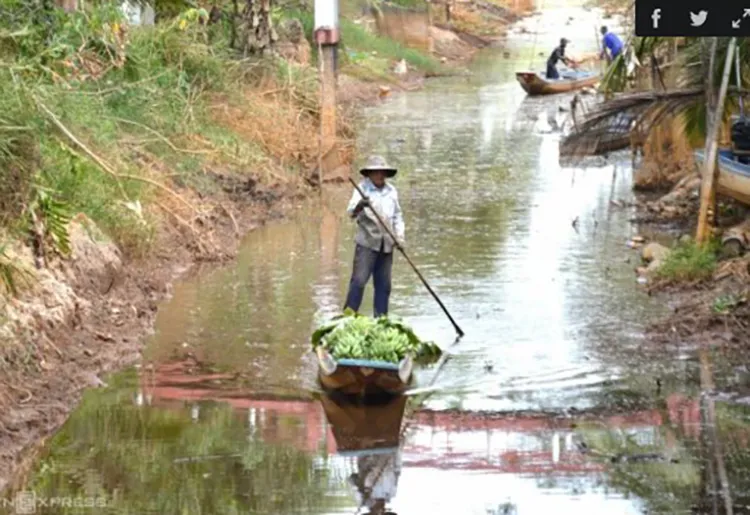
(126, 124)
(112, 120)
(689, 262)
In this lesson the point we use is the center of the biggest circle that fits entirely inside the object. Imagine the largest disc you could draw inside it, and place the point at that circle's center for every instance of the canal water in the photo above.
(551, 403)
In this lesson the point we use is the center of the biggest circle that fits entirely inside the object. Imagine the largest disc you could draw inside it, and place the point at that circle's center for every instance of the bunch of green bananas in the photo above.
(387, 345)
(348, 345)
(359, 337)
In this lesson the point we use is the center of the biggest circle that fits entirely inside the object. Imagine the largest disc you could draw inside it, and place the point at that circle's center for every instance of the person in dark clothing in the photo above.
(558, 54)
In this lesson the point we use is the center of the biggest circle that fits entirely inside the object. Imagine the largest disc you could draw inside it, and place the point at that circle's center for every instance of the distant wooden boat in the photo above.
(734, 177)
(363, 377)
(537, 84)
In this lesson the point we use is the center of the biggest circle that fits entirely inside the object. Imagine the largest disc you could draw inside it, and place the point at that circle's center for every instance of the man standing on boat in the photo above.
(373, 253)
(558, 54)
(612, 43)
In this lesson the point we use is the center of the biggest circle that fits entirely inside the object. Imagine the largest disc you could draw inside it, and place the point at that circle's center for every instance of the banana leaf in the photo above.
(333, 323)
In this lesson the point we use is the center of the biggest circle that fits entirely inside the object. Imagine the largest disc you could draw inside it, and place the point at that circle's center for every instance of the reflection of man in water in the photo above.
(376, 481)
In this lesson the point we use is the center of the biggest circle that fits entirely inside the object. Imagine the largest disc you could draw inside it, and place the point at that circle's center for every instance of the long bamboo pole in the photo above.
(413, 266)
(708, 184)
(739, 82)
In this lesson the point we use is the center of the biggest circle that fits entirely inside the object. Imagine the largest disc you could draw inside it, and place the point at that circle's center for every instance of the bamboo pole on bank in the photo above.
(708, 184)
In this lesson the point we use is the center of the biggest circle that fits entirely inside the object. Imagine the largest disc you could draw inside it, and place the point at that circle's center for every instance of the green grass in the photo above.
(358, 46)
(356, 37)
(140, 118)
(725, 304)
(148, 115)
(689, 262)
(410, 4)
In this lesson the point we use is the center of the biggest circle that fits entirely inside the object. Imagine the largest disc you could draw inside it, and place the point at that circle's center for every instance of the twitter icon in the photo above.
(696, 20)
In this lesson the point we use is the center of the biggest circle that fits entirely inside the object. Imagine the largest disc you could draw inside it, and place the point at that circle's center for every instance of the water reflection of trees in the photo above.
(458, 204)
(148, 460)
(253, 315)
(699, 460)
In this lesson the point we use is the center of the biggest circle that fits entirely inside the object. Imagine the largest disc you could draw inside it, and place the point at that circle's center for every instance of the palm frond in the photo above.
(639, 112)
(600, 139)
(13, 275)
(603, 128)
(609, 126)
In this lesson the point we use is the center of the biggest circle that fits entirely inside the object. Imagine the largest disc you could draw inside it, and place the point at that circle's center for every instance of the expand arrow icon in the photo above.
(736, 24)
(746, 14)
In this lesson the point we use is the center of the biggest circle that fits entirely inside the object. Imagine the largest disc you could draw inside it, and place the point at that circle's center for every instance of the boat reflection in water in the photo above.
(370, 434)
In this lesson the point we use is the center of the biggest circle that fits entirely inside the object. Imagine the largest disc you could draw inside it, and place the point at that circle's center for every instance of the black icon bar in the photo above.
(692, 18)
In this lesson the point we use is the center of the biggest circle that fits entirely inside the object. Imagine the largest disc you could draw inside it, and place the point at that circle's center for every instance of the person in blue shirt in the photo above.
(612, 43)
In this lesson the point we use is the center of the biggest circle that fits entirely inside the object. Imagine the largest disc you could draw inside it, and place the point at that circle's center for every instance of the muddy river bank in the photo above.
(554, 401)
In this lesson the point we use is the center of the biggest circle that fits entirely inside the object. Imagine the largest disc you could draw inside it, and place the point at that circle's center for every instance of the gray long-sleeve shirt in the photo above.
(369, 232)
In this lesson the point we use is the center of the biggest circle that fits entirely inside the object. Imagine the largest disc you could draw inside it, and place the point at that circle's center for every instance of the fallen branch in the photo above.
(119, 88)
(54, 347)
(232, 218)
(106, 167)
(201, 245)
(28, 397)
(163, 138)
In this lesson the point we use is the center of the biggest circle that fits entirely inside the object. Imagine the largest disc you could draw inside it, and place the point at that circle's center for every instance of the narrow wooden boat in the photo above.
(537, 84)
(734, 177)
(363, 377)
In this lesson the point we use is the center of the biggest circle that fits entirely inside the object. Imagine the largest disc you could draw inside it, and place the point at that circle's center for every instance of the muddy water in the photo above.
(551, 403)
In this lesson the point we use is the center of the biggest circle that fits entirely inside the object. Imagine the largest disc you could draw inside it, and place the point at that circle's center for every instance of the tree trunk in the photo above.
(710, 96)
(258, 34)
(709, 165)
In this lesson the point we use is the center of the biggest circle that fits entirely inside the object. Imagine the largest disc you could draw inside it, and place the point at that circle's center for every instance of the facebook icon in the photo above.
(655, 15)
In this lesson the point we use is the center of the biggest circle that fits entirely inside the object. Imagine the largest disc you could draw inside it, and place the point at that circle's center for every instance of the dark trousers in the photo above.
(366, 263)
(552, 72)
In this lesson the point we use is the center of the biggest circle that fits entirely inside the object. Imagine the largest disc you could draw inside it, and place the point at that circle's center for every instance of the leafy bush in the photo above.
(689, 262)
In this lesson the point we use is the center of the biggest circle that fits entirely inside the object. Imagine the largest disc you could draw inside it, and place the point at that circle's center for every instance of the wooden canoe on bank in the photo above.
(537, 84)
(362, 378)
(734, 177)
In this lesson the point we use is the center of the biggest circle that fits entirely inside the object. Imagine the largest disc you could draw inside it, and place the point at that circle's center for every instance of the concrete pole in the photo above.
(328, 96)
(327, 38)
